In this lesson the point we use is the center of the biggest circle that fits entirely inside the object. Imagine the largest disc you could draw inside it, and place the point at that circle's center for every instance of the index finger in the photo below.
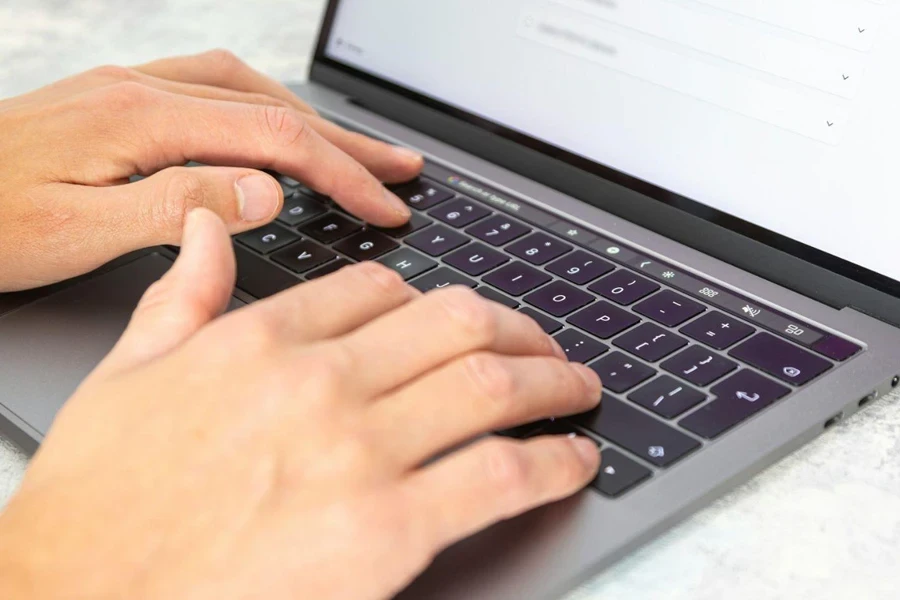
(176, 129)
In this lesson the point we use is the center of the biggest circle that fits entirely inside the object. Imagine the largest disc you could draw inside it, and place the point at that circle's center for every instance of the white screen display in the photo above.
(784, 113)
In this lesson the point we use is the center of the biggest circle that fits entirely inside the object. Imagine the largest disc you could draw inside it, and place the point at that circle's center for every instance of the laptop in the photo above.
(693, 196)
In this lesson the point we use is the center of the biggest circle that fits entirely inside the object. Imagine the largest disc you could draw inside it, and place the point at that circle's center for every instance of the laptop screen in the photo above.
(783, 113)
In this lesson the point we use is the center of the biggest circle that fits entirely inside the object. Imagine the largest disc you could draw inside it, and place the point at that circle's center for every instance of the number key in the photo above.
(538, 248)
(624, 287)
(499, 230)
(460, 212)
(580, 268)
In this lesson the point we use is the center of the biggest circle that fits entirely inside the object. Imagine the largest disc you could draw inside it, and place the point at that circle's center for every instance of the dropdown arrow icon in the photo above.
(846, 77)
(829, 123)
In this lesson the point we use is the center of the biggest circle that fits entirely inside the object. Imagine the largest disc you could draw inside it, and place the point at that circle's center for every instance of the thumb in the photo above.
(243, 198)
(153, 211)
(195, 291)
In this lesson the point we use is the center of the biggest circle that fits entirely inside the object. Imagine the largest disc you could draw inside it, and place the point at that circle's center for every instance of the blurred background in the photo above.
(813, 526)
(44, 40)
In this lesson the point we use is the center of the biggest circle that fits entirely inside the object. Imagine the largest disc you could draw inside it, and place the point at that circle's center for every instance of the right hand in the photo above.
(261, 453)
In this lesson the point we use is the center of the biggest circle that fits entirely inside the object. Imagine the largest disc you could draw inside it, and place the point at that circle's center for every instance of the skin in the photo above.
(256, 454)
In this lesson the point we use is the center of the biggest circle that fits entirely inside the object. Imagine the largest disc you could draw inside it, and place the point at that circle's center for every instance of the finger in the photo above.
(152, 211)
(477, 394)
(497, 479)
(165, 129)
(336, 304)
(222, 69)
(436, 329)
(391, 164)
(196, 290)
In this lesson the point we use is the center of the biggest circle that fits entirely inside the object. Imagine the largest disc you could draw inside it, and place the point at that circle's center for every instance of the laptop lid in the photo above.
(759, 132)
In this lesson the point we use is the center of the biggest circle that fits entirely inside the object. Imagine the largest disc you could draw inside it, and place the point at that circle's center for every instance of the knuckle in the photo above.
(112, 73)
(505, 467)
(126, 96)
(223, 59)
(470, 313)
(492, 379)
(184, 191)
(387, 280)
(256, 333)
(328, 369)
(285, 127)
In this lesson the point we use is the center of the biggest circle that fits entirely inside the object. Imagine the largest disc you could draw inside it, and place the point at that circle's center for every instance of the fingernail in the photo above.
(397, 204)
(557, 349)
(407, 154)
(587, 451)
(257, 197)
(591, 380)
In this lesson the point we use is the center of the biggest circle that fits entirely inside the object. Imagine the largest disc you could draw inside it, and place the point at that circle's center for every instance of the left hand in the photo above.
(68, 150)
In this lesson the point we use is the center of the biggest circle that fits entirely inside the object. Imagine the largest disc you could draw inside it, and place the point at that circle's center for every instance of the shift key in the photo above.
(637, 432)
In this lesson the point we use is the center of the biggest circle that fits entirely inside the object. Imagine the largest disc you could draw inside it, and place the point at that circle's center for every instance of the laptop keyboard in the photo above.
(682, 361)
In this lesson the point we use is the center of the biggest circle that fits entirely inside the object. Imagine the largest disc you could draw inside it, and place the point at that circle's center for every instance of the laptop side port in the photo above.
(834, 420)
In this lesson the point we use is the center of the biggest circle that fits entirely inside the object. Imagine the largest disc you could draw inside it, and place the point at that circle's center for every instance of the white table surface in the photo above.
(824, 524)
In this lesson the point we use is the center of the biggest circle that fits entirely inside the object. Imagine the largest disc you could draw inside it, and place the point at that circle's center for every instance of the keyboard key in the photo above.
(618, 474)
(303, 256)
(836, 348)
(460, 212)
(441, 278)
(495, 296)
(739, 397)
(538, 248)
(580, 268)
(781, 359)
(650, 342)
(300, 208)
(559, 299)
(499, 230)
(669, 308)
(330, 228)
(437, 240)
(624, 287)
(717, 330)
(476, 259)
(260, 278)
(637, 432)
(422, 194)
(332, 267)
(547, 324)
(579, 347)
(416, 222)
(603, 320)
(408, 263)
(366, 245)
(620, 373)
(268, 239)
(667, 397)
(699, 366)
(517, 278)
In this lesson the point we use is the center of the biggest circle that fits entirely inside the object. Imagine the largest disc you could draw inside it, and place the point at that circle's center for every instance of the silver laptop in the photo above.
(696, 197)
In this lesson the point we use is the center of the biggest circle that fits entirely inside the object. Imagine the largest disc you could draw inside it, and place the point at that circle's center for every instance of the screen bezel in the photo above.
(380, 94)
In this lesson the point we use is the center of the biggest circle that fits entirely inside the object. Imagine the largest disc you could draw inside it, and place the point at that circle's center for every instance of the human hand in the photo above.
(258, 454)
(68, 150)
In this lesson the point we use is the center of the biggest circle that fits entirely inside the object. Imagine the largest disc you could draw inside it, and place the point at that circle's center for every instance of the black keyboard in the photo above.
(682, 360)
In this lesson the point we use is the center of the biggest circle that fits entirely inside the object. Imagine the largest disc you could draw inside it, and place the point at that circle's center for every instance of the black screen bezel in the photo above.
(823, 260)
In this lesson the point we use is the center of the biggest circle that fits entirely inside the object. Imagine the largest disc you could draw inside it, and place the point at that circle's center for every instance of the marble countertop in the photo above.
(824, 523)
